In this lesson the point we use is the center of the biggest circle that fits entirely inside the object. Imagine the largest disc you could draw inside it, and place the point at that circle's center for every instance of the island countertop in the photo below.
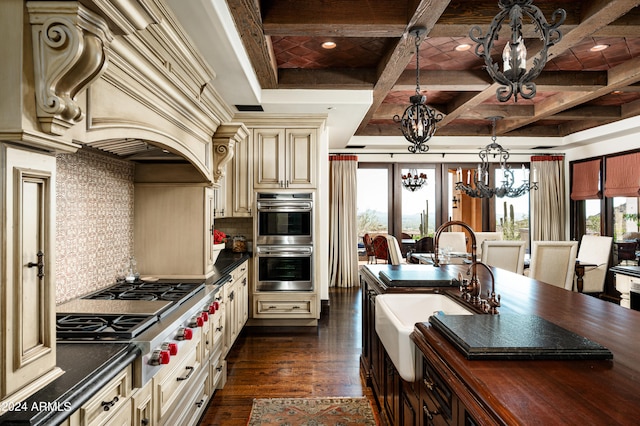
(548, 391)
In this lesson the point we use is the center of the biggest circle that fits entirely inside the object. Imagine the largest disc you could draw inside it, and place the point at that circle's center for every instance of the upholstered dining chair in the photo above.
(482, 236)
(508, 255)
(594, 250)
(455, 240)
(395, 254)
(554, 262)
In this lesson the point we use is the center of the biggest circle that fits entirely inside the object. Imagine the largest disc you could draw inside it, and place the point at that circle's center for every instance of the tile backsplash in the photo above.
(94, 221)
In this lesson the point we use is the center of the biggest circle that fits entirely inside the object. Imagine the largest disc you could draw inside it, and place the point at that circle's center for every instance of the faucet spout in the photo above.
(474, 285)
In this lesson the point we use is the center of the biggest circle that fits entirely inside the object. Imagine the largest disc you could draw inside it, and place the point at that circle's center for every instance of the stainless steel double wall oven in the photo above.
(284, 242)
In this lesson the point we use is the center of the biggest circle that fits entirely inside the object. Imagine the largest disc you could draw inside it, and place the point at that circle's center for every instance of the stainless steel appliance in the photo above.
(284, 218)
(284, 267)
(159, 317)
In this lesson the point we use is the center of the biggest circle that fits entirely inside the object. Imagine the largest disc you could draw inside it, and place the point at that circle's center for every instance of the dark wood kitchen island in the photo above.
(451, 389)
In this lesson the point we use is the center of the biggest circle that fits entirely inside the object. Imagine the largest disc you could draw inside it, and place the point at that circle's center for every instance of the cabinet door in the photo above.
(209, 215)
(269, 158)
(301, 158)
(220, 196)
(242, 180)
(28, 303)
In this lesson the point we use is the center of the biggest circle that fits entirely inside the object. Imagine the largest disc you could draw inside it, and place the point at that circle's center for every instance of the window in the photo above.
(625, 216)
(593, 217)
(419, 207)
(373, 196)
(512, 214)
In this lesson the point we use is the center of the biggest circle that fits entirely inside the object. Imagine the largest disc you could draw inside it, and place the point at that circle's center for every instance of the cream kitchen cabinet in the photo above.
(240, 181)
(173, 229)
(236, 304)
(284, 158)
(221, 198)
(28, 347)
(285, 305)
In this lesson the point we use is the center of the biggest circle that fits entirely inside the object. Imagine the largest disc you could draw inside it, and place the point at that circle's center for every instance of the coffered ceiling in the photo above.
(578, 89)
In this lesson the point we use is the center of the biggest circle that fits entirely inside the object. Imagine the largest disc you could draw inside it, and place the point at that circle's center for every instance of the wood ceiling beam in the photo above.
(597, 15)
(426, 15)
(246, 16)
(619, 77)
(476, 81)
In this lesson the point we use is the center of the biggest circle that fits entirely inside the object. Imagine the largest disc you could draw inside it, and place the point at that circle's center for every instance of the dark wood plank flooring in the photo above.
(322, 361)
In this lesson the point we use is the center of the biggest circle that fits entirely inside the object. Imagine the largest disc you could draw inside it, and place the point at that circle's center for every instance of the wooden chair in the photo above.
(508, 255)
(381, 248)
(626, 251)
(424, 245)
(594, 250)
(368, 246)
(554, 262)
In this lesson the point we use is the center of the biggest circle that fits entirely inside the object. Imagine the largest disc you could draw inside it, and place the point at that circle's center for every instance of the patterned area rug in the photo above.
(312, 412)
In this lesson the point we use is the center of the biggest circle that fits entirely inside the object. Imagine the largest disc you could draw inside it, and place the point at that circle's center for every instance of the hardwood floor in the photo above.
(293, 362)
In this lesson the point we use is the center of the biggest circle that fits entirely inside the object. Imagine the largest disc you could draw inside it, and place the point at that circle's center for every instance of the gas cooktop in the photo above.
(176, 292)
(102, 326)
(121, 311)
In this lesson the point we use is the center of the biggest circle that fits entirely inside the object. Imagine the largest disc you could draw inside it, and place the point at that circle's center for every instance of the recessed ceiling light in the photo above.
(329, 45)
(599, 47)
(463, 47)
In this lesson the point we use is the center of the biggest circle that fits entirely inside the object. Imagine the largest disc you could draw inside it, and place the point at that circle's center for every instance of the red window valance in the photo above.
(586, 180)
(622, 176)
(338, 157)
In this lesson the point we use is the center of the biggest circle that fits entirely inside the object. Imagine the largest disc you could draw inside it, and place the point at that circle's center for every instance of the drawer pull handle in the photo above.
(429, 414)
(199, 403)
(106, 405)
(296, 307)
(188, 374)
(428, 384)
(273, 307)
(219, 328)
(219, 368)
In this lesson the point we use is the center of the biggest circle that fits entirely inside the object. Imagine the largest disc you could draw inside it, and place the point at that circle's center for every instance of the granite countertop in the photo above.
(227, 261)
(87, 368)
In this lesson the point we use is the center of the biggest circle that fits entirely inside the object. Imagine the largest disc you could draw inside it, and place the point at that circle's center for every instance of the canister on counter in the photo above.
(239, 244)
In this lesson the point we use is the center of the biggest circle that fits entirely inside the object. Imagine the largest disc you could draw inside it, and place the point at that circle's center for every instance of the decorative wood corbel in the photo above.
(224, 140)
(70, 52)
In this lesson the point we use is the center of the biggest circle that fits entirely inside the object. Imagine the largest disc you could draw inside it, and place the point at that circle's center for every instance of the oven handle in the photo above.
(269, 206)
(284, 252)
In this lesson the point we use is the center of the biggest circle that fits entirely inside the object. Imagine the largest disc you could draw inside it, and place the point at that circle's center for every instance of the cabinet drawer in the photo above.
(170, 386)
(191, 403)
(285, 306)
(218, 371)
(120, 418)
(108, 400)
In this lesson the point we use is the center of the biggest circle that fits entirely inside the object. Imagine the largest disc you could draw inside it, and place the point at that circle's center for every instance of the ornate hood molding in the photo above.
(69, 51)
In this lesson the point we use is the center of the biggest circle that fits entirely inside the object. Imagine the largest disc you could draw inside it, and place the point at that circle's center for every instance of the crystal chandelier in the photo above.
(515, 77)
(414, 181)
(480, 187)
(419, 120)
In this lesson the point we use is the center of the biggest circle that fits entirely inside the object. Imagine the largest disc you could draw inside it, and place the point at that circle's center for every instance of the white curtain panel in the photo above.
(343, 235)
(548, 206)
